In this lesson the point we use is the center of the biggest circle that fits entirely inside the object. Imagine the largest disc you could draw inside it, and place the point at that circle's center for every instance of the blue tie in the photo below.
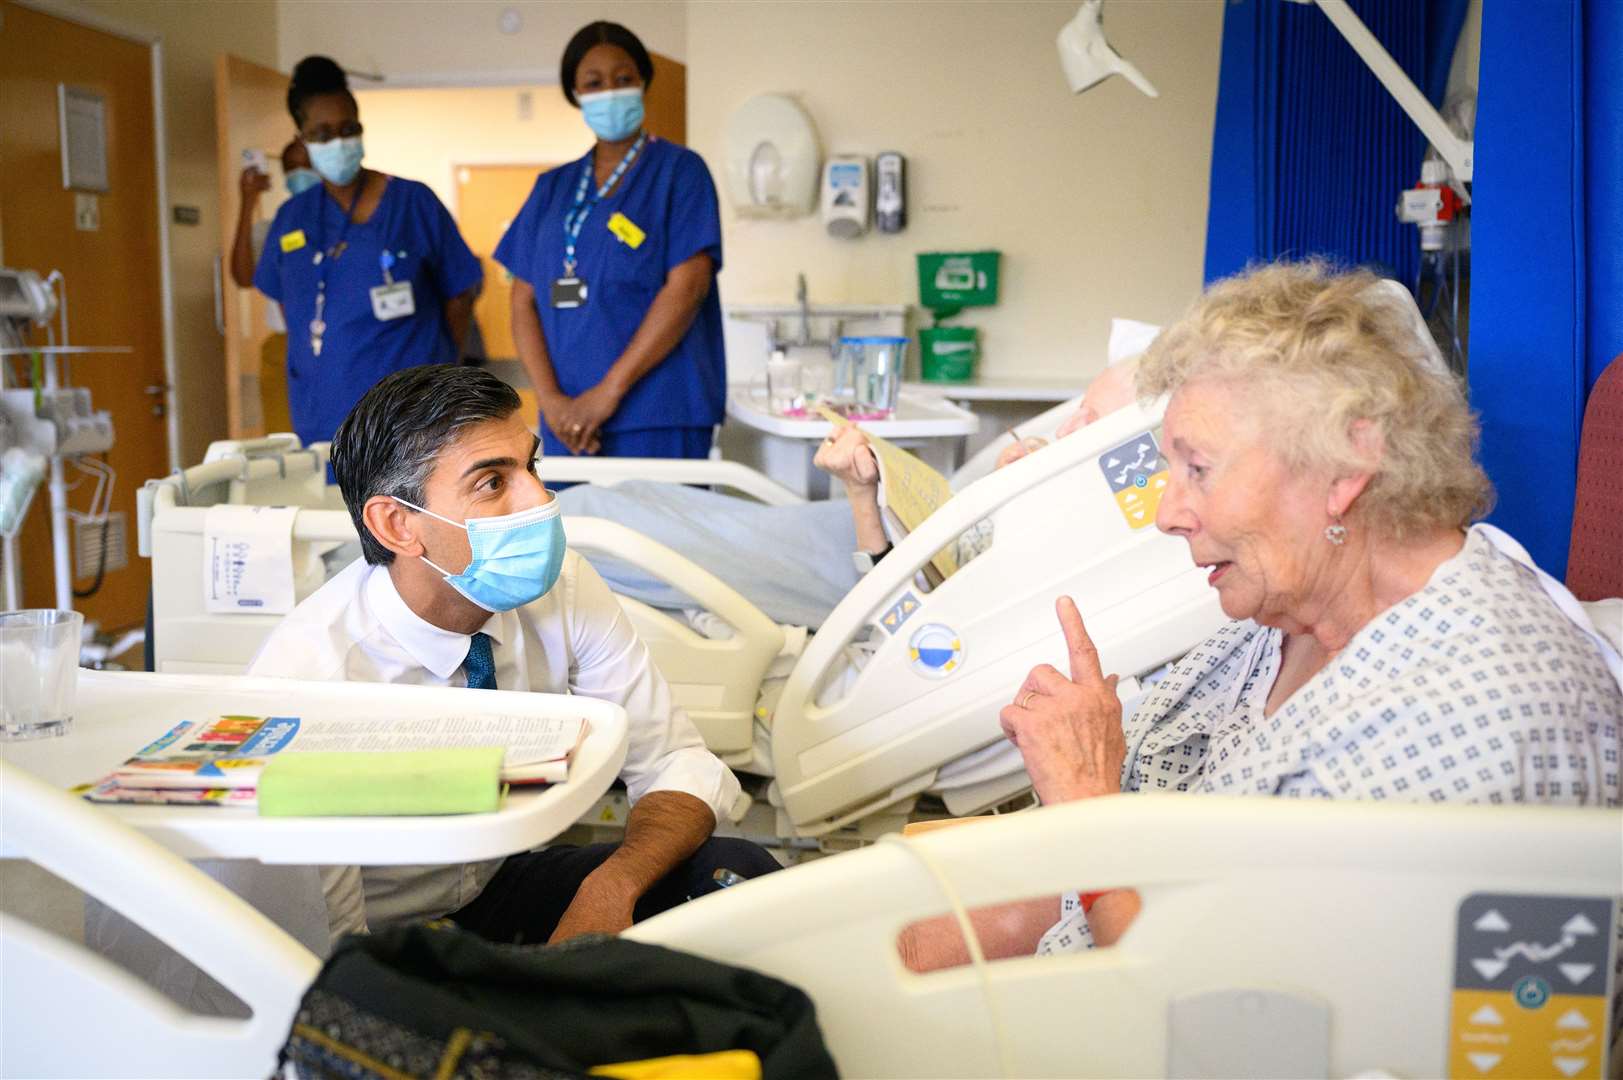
(480, 664)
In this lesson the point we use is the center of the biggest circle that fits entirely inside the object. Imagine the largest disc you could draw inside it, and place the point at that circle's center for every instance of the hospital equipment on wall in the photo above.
(1442, 219)
(949, 282)
(890, 195)
(846, 196)
(1278, 937)
(49, 420)
(1088, 58)
(131, 859)
(773, 158)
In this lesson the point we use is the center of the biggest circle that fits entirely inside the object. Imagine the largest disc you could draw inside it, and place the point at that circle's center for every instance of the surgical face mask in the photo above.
(613, 114)
(301, 180)
(516, 557)
(337, 160)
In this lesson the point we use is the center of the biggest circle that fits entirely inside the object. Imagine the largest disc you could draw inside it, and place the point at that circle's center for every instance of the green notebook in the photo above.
(389, 782)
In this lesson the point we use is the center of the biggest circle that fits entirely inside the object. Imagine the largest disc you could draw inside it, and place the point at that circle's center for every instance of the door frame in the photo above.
(69, 11)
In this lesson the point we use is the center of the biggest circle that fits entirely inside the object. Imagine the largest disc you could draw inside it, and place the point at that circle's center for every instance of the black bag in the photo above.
(432, 1000)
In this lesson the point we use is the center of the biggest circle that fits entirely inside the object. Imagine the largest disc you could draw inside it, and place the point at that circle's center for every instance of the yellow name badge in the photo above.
(292, 241)
(626, 229)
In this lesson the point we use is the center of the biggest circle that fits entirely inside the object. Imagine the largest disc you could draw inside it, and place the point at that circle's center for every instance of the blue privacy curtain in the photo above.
(1547, 258)
(1309, 151)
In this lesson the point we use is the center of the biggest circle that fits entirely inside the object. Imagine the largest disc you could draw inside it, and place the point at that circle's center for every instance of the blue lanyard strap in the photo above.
(576, 217)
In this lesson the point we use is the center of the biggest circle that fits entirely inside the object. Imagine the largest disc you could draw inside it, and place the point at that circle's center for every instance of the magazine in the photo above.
(229, 752)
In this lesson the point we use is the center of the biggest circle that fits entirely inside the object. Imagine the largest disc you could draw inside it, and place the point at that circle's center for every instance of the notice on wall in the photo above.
(248, 559)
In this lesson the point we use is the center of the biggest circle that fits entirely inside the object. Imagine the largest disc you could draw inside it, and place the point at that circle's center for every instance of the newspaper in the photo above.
(909, 489)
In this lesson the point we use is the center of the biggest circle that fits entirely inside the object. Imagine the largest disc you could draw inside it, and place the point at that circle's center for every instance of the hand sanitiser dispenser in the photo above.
(846, 196)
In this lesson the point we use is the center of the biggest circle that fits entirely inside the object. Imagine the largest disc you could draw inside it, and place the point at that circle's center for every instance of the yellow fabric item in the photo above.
(273, 385)
(723, 1065)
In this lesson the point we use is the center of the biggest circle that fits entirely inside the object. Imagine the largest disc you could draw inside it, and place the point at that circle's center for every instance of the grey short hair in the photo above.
(1319, 350)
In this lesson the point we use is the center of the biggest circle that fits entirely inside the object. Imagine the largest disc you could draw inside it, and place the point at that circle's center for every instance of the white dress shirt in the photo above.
(575, 639)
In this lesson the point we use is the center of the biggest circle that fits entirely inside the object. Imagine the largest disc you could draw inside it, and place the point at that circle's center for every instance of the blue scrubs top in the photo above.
(667, 194)
(358, 349)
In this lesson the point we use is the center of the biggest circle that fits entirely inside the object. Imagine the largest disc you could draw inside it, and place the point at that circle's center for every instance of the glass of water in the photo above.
(783, 392)
(39, 670)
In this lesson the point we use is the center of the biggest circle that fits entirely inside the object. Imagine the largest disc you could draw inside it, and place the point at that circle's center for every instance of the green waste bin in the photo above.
(948, 353)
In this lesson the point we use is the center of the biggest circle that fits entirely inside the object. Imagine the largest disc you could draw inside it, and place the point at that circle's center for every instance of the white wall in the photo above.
(1097, 202)
(461, 42)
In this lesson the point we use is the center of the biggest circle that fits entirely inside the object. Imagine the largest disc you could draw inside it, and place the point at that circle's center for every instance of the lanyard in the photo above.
(577, 216)
(318, 325)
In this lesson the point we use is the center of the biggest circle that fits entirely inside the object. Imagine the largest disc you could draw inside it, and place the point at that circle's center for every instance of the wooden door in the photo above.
(666, 104)
(250, 113)
(488, 197)
(111, 265)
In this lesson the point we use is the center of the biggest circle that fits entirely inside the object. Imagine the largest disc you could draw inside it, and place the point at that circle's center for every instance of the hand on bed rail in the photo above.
(1069, 730)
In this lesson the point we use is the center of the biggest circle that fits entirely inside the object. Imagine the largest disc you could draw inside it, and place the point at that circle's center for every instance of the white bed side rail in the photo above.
(1352, 910)
(875, 592)
(716, 682)
(264, 446)
(69, 1012)
(713, 594)
(607, 470)
(277, 475)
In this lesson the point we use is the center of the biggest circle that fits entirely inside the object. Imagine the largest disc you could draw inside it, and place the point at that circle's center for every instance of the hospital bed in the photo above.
(1278, 938)
(859, 733)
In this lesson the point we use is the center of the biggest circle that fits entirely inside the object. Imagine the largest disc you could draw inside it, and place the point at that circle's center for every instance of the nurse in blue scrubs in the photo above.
(614, 259)
(370, 270)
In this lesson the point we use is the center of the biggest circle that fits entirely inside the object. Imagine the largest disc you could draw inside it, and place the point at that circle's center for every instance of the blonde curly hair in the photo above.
(1318, 351)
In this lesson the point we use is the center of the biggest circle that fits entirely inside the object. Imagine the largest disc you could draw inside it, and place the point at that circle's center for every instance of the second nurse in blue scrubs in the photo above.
(370, 270)
(614, 259)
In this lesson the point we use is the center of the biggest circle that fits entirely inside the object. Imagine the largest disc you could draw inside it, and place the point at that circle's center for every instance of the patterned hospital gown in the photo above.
(1475, 689)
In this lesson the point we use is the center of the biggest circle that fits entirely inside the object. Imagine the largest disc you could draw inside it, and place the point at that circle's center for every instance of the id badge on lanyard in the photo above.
(570, 290)
(393, 299)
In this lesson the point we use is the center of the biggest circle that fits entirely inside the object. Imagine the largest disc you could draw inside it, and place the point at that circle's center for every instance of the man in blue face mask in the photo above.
(466, 581)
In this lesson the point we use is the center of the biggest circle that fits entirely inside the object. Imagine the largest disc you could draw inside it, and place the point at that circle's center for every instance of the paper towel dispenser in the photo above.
(773, 158)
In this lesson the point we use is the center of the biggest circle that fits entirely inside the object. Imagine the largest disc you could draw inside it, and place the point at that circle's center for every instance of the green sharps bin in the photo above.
(950, 281)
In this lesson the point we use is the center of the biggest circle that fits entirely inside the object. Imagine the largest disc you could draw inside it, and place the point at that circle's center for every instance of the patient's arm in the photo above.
(1003, 930)
(847, 455)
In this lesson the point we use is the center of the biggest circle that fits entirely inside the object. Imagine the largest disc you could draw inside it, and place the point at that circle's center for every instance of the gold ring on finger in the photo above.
(1025, 699)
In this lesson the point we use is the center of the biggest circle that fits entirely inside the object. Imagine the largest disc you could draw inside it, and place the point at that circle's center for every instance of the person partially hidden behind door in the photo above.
(246, 247)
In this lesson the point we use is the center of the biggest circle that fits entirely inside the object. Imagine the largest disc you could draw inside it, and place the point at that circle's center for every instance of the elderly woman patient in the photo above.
(1381, 646)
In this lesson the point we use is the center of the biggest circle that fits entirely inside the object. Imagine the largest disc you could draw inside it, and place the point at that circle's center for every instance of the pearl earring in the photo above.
(1336, 533)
